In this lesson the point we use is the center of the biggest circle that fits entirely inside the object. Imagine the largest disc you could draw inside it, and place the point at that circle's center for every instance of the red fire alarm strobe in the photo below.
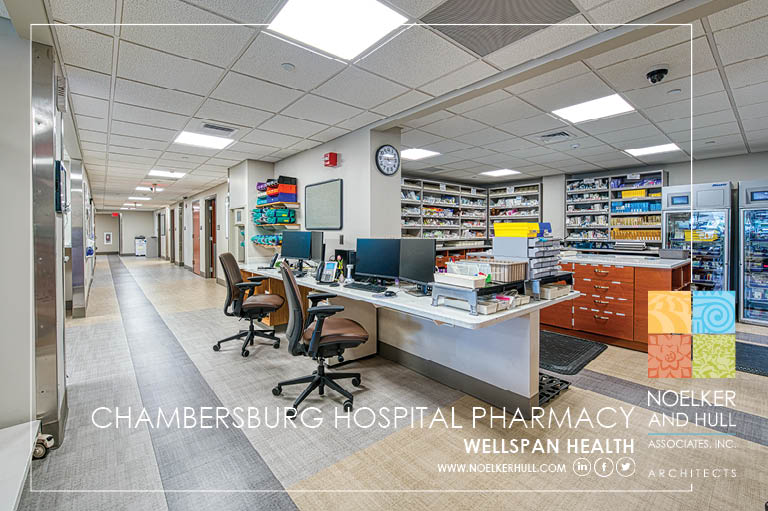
(331, 159)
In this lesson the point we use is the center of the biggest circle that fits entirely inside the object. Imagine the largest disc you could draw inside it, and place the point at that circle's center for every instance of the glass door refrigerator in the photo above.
(698, 218)
(753, 230)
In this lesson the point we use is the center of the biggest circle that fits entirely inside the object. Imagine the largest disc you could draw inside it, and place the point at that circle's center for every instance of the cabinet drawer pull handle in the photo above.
(602, 317)
(600, 287)
(601, 271)
(601, 302)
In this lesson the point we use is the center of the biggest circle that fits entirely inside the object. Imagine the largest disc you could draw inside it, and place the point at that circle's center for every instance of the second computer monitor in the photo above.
(378, 258)
(417, 260)
(297, 245)
(318, 247)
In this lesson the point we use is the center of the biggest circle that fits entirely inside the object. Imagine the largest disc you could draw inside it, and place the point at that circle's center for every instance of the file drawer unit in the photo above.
(614, 297)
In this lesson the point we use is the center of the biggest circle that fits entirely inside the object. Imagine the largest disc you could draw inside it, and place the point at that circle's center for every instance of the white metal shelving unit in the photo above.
(514, 203)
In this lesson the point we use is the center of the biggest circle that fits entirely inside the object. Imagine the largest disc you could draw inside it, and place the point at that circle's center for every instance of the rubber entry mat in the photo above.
(564, 354)
(751, 358)
(550, 387)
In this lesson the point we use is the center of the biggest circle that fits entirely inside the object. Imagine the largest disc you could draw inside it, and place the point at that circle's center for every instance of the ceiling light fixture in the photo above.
(344, 28)
(200, 140)
(166, 173)
(656, 149)
(595, 109)
(132, 206)
(674, 91)
(500, 172)
(287, 66)
(417, 154)
(148, 189)
(139, 198)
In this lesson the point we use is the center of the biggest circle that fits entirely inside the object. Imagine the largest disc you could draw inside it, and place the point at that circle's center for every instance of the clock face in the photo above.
(387, 160)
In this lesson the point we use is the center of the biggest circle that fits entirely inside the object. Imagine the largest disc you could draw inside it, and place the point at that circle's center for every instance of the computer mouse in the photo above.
(389, 293)
(334, 284)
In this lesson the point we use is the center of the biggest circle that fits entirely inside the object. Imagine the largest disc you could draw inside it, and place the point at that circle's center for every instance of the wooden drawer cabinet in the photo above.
(608, 288)
(559, 314)
(603, 321)
(605, 272)
(623, 305)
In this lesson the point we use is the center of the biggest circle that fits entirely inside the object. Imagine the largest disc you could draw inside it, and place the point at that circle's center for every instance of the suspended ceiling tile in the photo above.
(703, 83)
(479, 101)
(88, 83)
(401, 103)
(469, 74)
(244, 90)
(152, 153)
(754, 111)
(221, 111)
(550, 158)
(647, 130)
(140, 131)
(625, 11)
(418, 138)
(429, 57)
(544, 172)
(223, 162)
(555, 76)
(542, 41)
(242, 11)
(84, 48)
(91, 123)
(270, 138)
(90, 136)
(453, 126)
(171, 155)
(290, 126)
(267, 53)
(140, 161)
(217, 45)
(747, 73)
(617, 122)
(92, 107)
(707, 132)
(78, 11)
(317, 109)
(149, 117)
(483, 137)
(446, 146)
(742, 42)
(637, 143)
(329, 134)
(507, 110)
(161, 69)
(359, 121)
(738, 14)
(428, 119)
(176, 164)
(510, 145)
(714, 102)
(126, 141)
(460, 165)
(584, 142)
(568, 92)
(140, 94)
(93, 146)
(533, 125)
(750, 95)
(359, 88)
(305, 144)
(416, 8)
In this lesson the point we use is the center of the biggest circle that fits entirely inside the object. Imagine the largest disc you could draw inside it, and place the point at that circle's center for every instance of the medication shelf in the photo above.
(514, 203)
(620, 207)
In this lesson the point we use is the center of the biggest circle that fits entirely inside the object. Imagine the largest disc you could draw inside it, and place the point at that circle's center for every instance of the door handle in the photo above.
(601, 271)
(600, 287)
(600, 302)
(605, 318)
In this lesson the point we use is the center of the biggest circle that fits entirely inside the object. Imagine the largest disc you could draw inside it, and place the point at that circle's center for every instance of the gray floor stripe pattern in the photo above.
(747, 426)
(189, 459)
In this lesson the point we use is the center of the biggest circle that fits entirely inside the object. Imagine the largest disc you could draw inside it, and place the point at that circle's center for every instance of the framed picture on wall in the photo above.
(107, 238)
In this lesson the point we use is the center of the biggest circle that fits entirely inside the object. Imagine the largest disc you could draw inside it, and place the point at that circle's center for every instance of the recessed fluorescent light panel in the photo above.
(656, 149)
(417, 154)
(139, 198)
(166, 173)
(344, 28)
(132, 206)
(595, 109)
(500, 172)
(199, 140)
(148, 189)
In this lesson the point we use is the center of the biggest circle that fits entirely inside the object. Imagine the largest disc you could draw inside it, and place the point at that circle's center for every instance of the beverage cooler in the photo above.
(753, 230)
(698, 218)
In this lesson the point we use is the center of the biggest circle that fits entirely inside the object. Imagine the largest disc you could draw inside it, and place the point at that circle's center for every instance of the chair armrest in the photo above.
(323, 311)
(257, 280)
(316, 297)
(320, 312)
(247, 288)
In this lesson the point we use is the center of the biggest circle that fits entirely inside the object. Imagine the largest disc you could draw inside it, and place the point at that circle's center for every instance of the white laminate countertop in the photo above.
(420, 306)
(625, 260)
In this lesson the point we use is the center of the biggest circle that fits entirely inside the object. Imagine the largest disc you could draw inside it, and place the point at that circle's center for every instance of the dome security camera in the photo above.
(657, 74)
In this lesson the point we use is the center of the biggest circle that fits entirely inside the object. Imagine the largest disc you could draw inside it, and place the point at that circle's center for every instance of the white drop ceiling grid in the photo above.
(152, 87)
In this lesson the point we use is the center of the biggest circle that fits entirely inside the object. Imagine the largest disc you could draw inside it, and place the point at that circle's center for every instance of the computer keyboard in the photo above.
(372, 288)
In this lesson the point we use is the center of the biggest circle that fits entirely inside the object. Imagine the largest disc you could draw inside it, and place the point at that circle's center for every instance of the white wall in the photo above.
(135, 223)
(105, 222)
(17, 394)
(553, 203)
(745, 167)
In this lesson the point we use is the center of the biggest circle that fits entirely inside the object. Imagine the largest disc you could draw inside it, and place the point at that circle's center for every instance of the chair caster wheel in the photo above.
(276, 345)
(40, 451)
(245, 353)
(291, 413)
(216, 347)
(355, 382)
(276, 391)
(347, 405)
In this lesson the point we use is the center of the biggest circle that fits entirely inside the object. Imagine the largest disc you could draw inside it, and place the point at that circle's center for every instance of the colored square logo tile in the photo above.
(669, 312)
(669, 356)
(714, 312)
(714, 356)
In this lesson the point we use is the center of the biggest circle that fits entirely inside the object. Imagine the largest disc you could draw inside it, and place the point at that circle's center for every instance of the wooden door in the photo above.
(212, 255)
(196, 237)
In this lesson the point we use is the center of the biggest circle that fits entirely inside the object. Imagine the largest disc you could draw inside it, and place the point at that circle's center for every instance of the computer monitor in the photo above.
(417, 260)
(297, 245)
(378, 258)
(318, 247)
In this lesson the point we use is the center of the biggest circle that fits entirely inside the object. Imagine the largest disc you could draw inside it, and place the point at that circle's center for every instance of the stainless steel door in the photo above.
(753, 230)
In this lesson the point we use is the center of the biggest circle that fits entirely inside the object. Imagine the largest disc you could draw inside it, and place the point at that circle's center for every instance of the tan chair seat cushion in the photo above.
(264, 301)
(337, 330)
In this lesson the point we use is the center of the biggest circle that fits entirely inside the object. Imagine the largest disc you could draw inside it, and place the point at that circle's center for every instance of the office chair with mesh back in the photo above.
(319, 336)
(243, 303)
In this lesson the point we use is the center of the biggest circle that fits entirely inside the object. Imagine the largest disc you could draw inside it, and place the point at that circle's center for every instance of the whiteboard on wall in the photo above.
(323, 205)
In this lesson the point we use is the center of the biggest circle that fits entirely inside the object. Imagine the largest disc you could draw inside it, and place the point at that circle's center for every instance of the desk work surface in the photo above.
(420, 306)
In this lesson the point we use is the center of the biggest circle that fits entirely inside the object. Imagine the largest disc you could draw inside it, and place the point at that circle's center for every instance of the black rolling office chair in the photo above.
(246, 305)
(318, 336)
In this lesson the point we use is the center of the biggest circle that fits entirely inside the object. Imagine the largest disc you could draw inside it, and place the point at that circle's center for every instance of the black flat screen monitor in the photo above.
(417, 260)
(318, 247)
(297, 245)
(378, 258)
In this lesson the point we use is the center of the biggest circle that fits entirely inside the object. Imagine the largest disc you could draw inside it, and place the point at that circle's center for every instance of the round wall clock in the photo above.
(387, 160)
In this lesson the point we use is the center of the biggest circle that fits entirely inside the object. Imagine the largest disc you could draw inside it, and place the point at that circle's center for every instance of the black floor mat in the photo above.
(751, 358)
(564, 354)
